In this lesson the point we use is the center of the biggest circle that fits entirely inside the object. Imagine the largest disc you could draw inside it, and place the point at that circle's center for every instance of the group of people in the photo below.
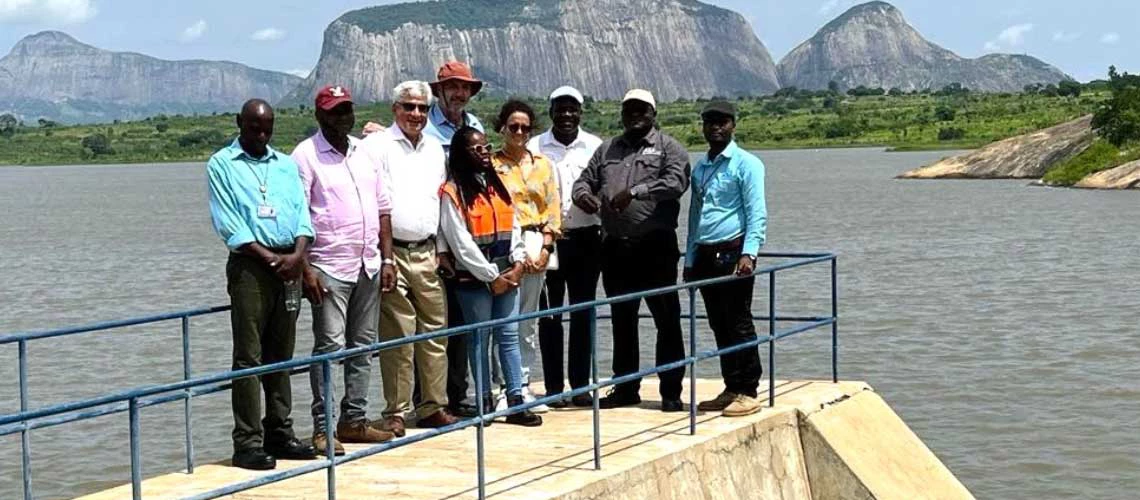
(425, 224)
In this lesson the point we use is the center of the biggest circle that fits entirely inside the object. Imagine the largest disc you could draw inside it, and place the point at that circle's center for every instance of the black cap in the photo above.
(720, 107)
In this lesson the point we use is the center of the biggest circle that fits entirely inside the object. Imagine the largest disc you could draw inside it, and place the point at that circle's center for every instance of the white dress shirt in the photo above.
(569, 162)
(413, 176)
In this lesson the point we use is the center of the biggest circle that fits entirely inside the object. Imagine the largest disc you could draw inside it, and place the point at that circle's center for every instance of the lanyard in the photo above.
(263, 181)
(707, 179)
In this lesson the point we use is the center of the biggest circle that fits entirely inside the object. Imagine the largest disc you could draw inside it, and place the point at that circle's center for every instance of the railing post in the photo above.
(25, 438)
(834, 323)
(330, 443)
(136, 455)
(692, 361)
(772, 339)
(594, 380)
(186, 404)
(480, 358)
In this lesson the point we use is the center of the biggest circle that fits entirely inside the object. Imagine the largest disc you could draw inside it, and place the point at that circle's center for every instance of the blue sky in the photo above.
(1081, 37)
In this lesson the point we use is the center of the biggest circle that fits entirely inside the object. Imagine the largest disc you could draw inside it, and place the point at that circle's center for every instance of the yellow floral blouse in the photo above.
(535, 194)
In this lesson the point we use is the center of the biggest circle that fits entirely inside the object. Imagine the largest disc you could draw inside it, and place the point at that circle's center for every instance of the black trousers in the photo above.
(263, 333)
(635, 265)
(456, 349)
(579, 253)
(729, 308)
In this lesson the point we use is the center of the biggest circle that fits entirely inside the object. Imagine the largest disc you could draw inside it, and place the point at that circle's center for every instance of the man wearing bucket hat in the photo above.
(454, 86)
(635, 182)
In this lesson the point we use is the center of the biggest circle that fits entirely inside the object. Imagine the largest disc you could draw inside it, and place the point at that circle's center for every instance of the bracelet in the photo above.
(387, 262)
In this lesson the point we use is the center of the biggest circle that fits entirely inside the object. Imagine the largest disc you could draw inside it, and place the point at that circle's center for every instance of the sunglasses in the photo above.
(409, 107)
(482, 149)
(518, 128)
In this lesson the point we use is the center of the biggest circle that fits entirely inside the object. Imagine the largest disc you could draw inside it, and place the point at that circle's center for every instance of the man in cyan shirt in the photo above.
(351, 260)
(259, 210)
(728, 222)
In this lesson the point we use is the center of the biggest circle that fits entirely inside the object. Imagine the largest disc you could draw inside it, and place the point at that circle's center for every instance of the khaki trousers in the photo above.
(416, 305)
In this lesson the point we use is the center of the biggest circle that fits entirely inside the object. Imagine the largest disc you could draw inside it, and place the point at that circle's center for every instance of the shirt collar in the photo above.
(547, 139)
(398, 135)
(650, 139)
(727, 154)
(435, 114)
(236, 152)
(324, 146)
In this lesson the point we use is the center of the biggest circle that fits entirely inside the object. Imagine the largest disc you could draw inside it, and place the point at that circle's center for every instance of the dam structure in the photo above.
(814, 439)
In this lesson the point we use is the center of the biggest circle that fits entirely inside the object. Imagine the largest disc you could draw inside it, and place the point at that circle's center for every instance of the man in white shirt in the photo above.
(569, 148)
(412, 164)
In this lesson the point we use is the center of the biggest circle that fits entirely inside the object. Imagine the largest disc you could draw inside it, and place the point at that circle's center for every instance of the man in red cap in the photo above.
(351, 259)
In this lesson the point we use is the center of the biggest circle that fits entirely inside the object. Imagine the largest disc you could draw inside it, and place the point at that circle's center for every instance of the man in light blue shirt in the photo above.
(454, 87)
(259, 210)
(728, 221)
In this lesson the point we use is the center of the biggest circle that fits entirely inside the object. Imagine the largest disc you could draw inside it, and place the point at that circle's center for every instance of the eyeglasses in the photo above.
(482, 149)
(518, 128)
(408, 107)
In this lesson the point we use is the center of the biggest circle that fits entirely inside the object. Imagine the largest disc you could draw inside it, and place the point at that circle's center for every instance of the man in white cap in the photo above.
(635, 181)
(569, 148)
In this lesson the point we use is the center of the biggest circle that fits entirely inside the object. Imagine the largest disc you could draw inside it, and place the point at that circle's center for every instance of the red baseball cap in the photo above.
(456, 70)
(332, 96)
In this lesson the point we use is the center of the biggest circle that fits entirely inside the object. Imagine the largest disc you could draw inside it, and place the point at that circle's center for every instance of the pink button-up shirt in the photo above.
(346, 198)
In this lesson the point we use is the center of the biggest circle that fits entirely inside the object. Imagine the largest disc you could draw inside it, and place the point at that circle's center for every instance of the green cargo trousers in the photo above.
(264, 333)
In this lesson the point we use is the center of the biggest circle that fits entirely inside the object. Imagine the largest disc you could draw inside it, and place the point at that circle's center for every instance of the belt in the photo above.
(724, 246)
(410, 245)
(533, 227)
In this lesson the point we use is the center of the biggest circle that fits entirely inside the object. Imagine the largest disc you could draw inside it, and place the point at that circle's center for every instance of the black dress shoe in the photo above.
(254, 459)
(558, 405)
(463, 410)
(582, 400)
(672, 405)
(617, 399)
(293, 449)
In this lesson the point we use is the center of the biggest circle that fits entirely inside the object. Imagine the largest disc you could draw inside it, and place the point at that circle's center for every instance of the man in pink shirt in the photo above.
(351, 260)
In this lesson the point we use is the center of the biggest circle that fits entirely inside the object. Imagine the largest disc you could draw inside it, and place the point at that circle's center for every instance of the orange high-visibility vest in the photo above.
(489, 220)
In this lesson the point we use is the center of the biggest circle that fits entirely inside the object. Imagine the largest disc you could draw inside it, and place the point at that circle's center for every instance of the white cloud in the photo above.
(48, 11)
(267, 35)
(303, 73)
(1015, 35)
(1009, 37)
(194, 31)
(1065, 37)
(1110, 38)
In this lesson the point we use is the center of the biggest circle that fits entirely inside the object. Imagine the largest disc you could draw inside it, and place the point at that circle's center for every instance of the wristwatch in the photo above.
(387, 262)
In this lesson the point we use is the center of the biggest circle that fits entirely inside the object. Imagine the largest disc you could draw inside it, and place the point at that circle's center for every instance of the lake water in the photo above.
(999, 320)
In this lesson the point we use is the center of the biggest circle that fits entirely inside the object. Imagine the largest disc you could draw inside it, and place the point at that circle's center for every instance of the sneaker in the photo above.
(361, 432)
(719, 403)
(501, 401)
(320, 442)
(528, 397)
(742, 406)
(617, 399)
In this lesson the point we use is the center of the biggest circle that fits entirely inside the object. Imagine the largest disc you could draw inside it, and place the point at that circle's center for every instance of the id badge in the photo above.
(266, 211)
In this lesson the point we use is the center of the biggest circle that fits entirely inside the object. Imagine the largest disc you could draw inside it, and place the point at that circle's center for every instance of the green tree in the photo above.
(1069, 88)
(895, 92)
(98, 144)
(162, 127)
(8, 124)
(950, 134)
(944, 113)
(45, 123)
(1118, 120)
(833, 87)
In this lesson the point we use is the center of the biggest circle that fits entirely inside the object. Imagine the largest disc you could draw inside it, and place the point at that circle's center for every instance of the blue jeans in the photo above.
(479, 305)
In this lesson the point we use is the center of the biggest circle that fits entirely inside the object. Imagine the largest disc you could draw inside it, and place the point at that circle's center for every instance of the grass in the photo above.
(907, 122)
(1099, 156)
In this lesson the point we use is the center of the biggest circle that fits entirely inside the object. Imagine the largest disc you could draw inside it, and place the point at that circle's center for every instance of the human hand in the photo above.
(371, 128)
(387, 277)
(588, 203)
(289, 266)
(745, 266)
(444, 265)
(622, 200)
(312, 288)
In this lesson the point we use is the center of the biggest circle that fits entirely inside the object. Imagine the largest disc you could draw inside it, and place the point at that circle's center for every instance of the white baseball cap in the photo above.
(640, 95)
(567, 91)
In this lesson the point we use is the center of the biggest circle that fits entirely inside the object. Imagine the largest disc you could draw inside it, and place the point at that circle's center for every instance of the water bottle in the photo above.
(293, 295)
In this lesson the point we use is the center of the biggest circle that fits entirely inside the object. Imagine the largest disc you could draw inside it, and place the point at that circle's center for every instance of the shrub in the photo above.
(1101, 155)
(97, 144)
(1118, 120)
(951, 134)
(202, 137)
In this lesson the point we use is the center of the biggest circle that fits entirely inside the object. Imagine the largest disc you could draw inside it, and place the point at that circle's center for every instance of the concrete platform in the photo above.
(779, 453)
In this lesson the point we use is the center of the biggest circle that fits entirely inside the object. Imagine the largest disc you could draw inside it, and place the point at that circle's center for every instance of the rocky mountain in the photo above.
(52, 75)
(676, 48)
(873, 45)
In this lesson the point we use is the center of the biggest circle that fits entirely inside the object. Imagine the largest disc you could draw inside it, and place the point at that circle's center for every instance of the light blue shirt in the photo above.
(727, 202)
(237, 200)
(443, 130)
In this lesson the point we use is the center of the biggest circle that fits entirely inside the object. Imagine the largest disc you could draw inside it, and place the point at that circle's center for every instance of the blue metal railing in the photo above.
(134, 400)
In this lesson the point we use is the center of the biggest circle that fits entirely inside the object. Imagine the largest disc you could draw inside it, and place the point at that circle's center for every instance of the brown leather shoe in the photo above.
(361, 432)
(321, 444)
(437, 419)
(393, 424)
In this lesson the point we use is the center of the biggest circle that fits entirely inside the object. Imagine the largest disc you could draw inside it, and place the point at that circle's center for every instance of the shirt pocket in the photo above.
(646, 167)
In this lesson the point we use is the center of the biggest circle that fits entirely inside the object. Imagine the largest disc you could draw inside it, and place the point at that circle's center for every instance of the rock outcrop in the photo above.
(873, 45)
(1026, 156)
(1126, 176)
(52, 75)
(675, 48)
